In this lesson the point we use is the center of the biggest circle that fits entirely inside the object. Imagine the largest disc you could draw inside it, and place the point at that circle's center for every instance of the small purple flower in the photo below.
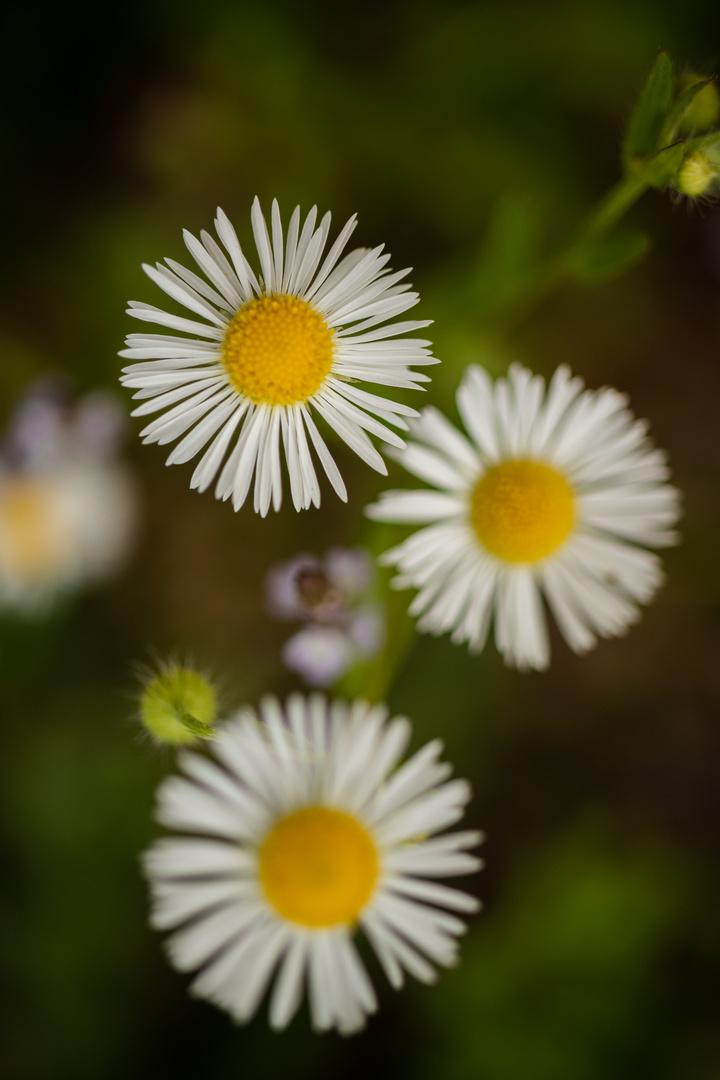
(331, 596)
(320, 655)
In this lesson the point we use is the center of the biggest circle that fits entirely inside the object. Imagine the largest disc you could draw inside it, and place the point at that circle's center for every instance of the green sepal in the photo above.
(205, 731)
(705, 144)
(608, 256)
(678, 110)
(660, 169)
(648, 118)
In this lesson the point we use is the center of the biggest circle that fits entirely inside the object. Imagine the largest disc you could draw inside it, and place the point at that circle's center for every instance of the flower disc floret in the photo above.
(318, 867)
(278, 350)
(522, 511)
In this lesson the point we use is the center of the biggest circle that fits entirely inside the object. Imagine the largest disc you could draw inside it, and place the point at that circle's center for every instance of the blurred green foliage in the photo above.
(472, 137)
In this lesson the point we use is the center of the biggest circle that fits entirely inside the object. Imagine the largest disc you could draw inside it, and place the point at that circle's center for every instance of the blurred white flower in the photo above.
(306, 830)
(276, 350)
(331, 595)
(67, 507)
(557, 493)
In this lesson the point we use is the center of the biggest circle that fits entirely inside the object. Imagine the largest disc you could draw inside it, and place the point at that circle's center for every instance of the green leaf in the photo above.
(678, 110)
(609, 256)
(648, 117)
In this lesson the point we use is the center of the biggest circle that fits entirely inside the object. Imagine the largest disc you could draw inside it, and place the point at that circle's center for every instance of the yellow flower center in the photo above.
(278, 350)
(34, 540)
(318, 867)
(522, 510)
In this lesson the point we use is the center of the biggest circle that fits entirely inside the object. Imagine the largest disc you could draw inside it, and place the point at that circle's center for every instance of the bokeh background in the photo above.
(598, 783)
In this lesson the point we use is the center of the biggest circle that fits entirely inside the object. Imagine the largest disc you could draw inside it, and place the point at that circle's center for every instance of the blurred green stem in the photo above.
(602, 219)
(612, 207)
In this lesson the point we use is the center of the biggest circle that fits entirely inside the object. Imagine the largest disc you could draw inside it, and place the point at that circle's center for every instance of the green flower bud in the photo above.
(703, 111)
(696, 175)
(178, 706)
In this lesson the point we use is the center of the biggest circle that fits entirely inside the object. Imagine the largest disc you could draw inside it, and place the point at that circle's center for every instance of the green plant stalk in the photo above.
(602, 219)
(613, 207)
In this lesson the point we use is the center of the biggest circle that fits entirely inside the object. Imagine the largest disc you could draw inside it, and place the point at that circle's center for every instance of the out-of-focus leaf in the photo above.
(608, 256)
(678, 109)
(645, 129)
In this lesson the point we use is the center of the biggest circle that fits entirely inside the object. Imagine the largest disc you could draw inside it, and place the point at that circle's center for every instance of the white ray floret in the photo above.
(555, 492)
(303, 830)
(271, 350)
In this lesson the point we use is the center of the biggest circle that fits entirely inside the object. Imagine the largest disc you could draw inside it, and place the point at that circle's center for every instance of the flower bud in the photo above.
(704, 110)
(696, 175)
(178, 706)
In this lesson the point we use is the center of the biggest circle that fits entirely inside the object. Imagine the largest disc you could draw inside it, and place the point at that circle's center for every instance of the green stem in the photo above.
(612, 207)
(604, 217)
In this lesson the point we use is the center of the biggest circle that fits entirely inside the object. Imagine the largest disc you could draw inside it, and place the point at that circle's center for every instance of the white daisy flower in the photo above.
(302, 832)
(68, 509)
(270, 351)
(556, 493)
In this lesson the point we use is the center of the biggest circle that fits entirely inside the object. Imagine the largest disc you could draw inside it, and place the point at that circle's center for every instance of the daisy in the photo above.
(68, 509)
(303, 831)
(273, 351)
(557, 493)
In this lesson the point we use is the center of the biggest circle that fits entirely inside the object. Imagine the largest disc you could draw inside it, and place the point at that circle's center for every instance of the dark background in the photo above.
(597, 953)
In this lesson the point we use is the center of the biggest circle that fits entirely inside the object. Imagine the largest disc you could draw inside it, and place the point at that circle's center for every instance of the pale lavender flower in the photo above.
(331, 596)
(320, 655)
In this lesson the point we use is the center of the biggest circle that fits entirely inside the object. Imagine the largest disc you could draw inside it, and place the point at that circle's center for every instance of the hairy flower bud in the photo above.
(704, 110)
(178, 705)
(696, 175)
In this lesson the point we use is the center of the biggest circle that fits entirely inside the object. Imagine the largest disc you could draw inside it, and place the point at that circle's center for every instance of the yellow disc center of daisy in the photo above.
(34, 541)
(278, 350)
(522, 510)
(318, 867)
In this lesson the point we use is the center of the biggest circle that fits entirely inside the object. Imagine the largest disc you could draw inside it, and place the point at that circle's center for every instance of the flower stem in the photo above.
(612, 207)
